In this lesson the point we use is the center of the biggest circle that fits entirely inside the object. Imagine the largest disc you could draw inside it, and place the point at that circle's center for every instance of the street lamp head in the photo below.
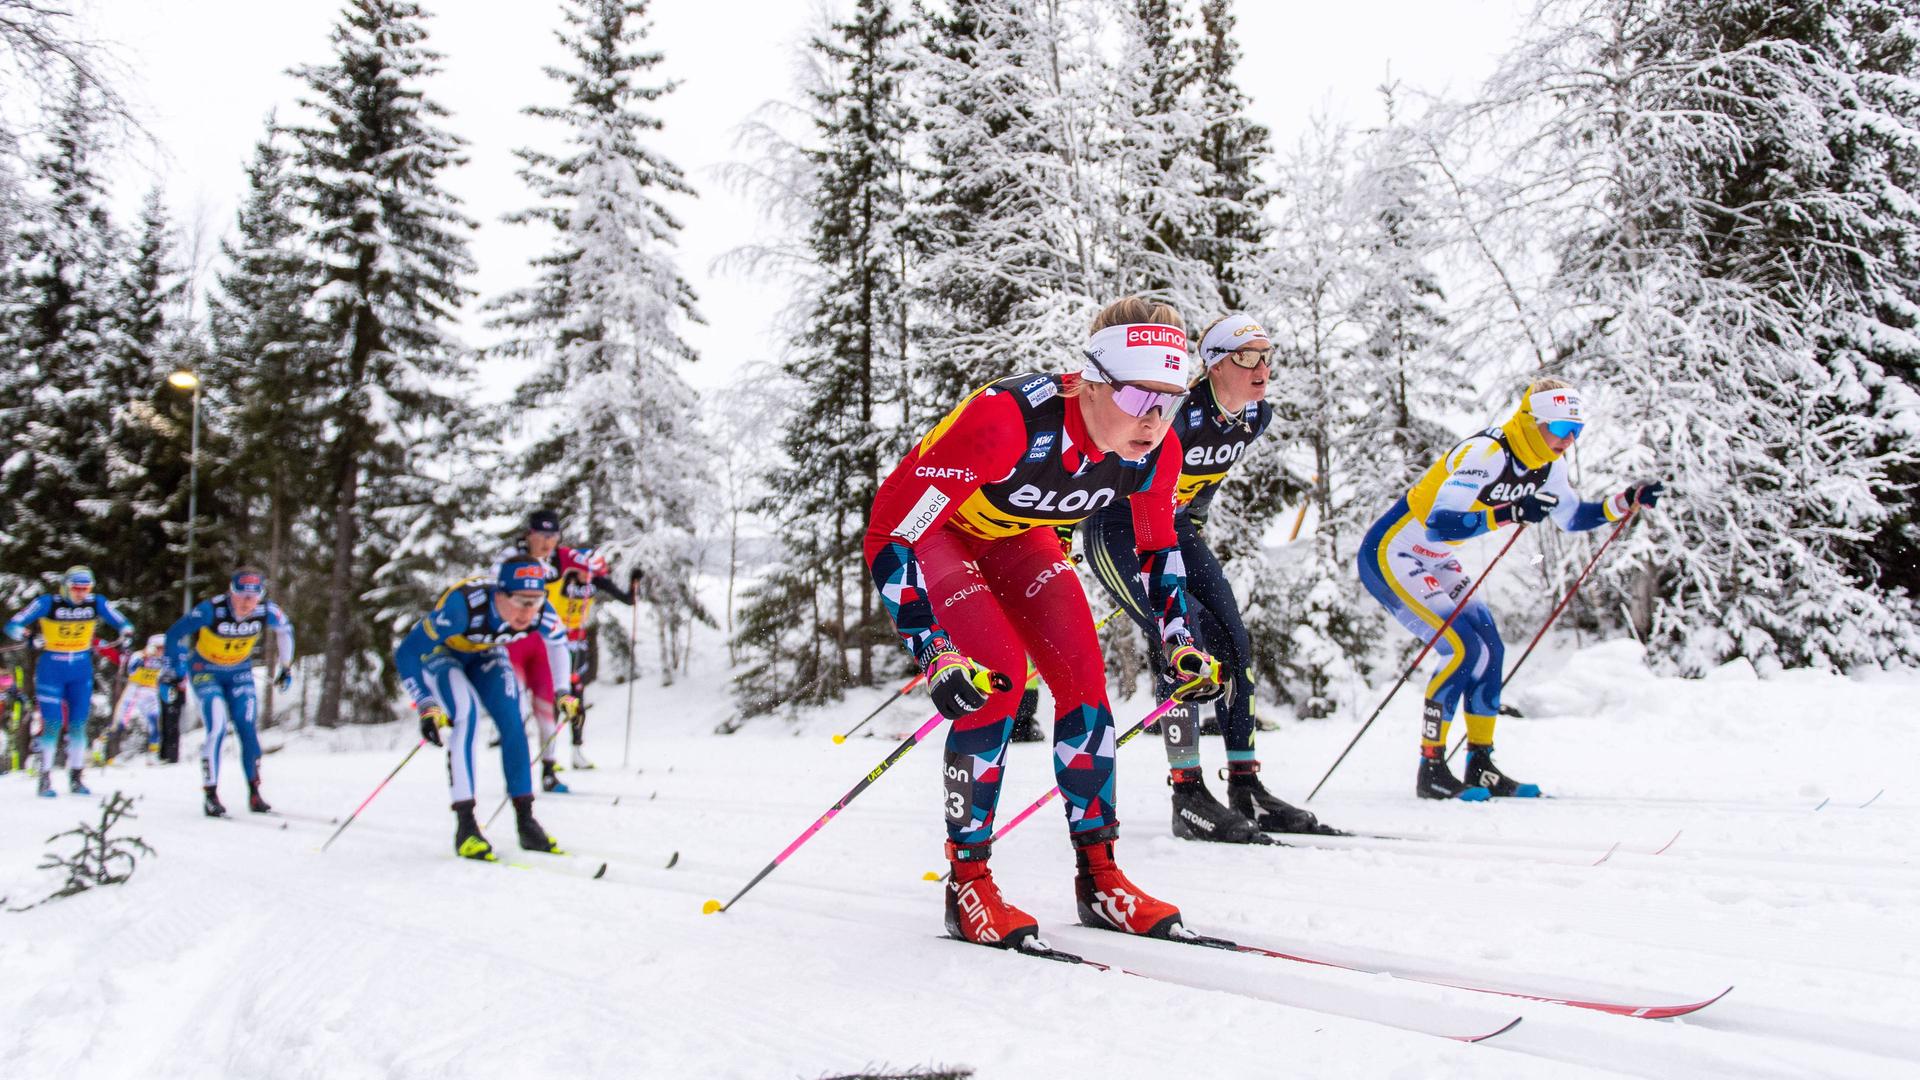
(183, 380)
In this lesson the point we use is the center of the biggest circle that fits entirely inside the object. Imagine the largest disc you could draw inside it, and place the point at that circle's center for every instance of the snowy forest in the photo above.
(1705, 213)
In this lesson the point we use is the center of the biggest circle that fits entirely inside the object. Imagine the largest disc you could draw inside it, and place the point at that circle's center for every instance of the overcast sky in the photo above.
(204, 74)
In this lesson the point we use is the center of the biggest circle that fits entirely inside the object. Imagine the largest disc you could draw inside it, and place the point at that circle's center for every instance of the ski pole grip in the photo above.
(987, 681)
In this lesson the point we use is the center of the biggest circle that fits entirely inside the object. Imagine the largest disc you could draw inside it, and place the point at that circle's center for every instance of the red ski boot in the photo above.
(976, 911)
(1108, 901)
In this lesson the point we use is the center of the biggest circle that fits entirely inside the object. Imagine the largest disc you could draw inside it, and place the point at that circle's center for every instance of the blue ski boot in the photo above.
(46, 786)
(550, 781)
(74, 785)
(1436, 781)
(1482, 771)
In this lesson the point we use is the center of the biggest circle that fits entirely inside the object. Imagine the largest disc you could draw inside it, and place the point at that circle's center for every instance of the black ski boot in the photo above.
(467, 841)
(210, 805)
(1436, 781)
(45, 786)
(1482, 772)
(1251, 800)
(550, 781)
(74, 784)
(532, 836)
(1025, 727)
(254, 802)
(1197, 815)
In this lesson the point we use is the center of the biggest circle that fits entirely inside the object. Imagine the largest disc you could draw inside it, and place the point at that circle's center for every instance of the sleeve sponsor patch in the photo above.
(922, 516)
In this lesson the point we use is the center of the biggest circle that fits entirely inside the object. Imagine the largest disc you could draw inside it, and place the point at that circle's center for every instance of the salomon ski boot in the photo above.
(1436, 781)
(1482, 772)
(976, 912)
(550, 781)
(46, 786)
(532, 836)
(467, 841)
(254, 802)
(1197, 815)
(210, 803)
(1107, 900)
(1250, 799)
(74, 785)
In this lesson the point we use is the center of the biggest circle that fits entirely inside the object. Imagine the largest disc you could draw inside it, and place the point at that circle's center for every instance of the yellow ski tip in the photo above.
(930, 876)
(709, 907)
(838, 739)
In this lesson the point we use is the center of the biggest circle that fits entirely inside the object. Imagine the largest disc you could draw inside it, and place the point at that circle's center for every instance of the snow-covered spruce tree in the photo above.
(1233, 147)
(811, 628)
(391, 246)
(624, 452)
(1312, 626)
(147, 448)
(1708, 256)
(1014, 257)
(266, 379)
(1404, 372)
(54, 394)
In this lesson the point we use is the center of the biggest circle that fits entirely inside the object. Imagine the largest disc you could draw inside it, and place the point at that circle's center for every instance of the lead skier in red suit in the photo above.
(962, 547)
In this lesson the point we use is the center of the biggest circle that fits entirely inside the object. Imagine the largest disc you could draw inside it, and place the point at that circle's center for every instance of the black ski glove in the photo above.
(1644, 493)
(1535, 508)
(957, 685)
(432, 719)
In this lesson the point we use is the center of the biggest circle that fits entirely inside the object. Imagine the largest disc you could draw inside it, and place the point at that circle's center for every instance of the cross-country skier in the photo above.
(1226, 411)
(65, 625)
(146, 692)
(529, 658)
(1409, 562)
(962, 548)
(583, 577)
(454, 664)
(212, 647)
(15, 711)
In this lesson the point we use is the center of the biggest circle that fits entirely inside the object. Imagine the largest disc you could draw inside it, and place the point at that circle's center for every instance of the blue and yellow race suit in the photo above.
(213, 649)
(63, 674)
(456, 658)
(1410, 564)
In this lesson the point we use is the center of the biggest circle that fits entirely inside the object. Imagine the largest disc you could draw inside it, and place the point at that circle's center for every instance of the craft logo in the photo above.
(1170, 336)
(925, 472)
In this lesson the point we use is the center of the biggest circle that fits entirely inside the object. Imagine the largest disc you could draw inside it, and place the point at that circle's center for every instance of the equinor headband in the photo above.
(1137, 352)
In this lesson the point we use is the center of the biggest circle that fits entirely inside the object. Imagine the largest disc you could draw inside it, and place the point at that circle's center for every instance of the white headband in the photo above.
(1561, 404)
(1228, 335)
(1138, 352)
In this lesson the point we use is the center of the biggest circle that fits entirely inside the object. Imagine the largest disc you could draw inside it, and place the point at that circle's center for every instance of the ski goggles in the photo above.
(1251, 358)
(1564, 429)
(1138, 401)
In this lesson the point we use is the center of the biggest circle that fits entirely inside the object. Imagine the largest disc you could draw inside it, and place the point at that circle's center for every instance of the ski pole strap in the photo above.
(1458, 607)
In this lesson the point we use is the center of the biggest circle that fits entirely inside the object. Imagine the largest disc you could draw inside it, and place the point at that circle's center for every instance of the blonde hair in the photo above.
(1543, 384)
(1135, 309)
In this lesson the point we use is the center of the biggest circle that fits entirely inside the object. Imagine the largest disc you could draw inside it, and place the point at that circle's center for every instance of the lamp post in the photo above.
(187, 380)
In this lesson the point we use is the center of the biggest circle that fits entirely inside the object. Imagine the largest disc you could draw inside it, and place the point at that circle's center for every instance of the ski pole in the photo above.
(1560, 607)
(985, 680)
(633, 663)
(915, 681)
(558, 727)
(376, 791)
(1458, 607)
(1146, 721)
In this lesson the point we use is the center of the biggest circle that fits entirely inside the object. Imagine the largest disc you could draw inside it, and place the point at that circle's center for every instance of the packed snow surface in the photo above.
(240, 950)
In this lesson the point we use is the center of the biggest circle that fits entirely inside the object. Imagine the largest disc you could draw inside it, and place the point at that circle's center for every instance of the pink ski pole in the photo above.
(993, 679)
